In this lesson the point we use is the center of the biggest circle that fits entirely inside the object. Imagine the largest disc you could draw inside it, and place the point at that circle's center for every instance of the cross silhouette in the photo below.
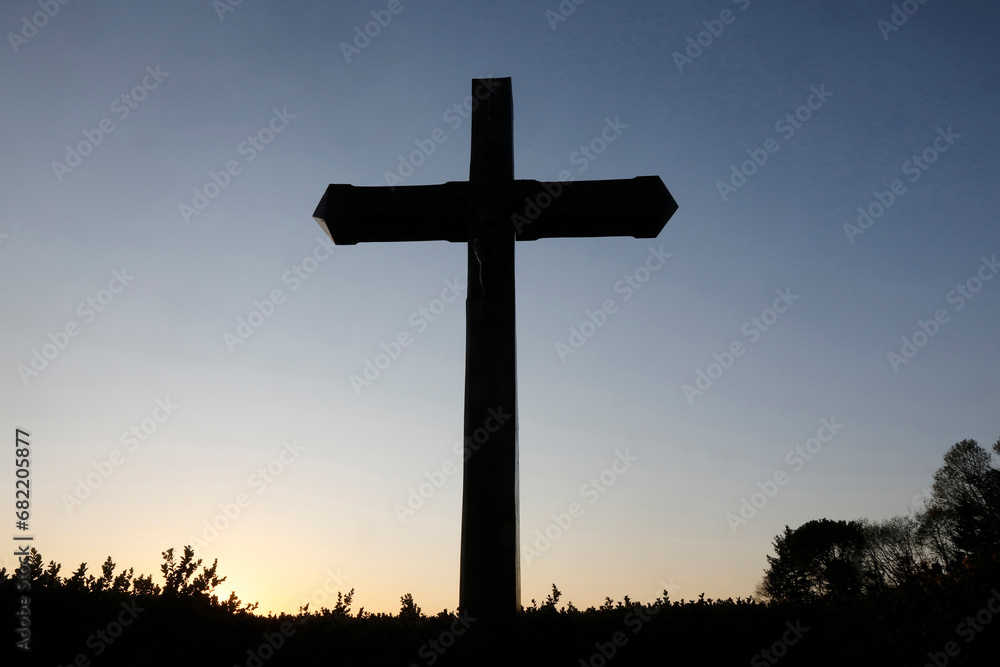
(490, 212)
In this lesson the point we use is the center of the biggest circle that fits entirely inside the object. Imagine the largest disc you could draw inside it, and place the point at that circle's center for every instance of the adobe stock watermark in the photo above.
(250, 148)
(88, 310)
(796, 458)
(436, 479)
(101, 639)
(900, 15)
(592, 490)
(131, 439)
(223, 7)
(787, 126)
(453, 116)
(635, 620)
(265, 308)
(753, 329)
(320, 595)
(918, 502)
(563, 11)
(713, 30)
(928, 329)
(122, 107)
(587, 153)
(258, 481)
(271, 642)
(968, 629)
(779, 649)
(420, 320)
(30, 25)
(22, 575)
(432, 650)
(381, 19)
(581, 158)
(914, 168)
(627, 286)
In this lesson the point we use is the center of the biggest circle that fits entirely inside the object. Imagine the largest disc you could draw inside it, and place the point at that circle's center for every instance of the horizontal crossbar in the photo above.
(637, 207)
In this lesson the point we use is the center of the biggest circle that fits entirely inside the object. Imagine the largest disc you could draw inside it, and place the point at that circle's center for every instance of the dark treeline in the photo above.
(917, 589)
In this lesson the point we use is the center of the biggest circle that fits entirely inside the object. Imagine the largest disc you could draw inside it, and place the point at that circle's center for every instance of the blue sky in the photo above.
(259, 108)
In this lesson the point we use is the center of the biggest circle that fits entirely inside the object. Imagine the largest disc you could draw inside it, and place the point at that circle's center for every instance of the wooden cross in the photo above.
(489, 212)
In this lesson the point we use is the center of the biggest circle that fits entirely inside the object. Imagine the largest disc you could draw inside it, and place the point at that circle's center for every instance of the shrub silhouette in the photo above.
(408, 608)
(870, 592)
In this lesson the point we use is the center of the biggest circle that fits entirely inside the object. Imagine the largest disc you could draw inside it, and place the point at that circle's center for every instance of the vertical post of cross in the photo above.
(489, 587)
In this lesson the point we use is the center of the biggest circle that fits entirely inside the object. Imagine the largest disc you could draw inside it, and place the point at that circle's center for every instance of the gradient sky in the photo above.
(326, 516)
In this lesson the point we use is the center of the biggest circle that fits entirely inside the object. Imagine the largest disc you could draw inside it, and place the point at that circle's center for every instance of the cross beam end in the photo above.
(351, 214)
(638, 207)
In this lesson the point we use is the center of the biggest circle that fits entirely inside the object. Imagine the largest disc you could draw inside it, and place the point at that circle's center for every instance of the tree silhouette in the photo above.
(50, 576)
(176, 575)
(937, 531)
(143, 585)
(820, 558)
(122, 581)
(408, 608)
(107, 576)
(814, 577)
(889, 590)
(80, 581)
(343, 606)
(895, 550)
(966, 497)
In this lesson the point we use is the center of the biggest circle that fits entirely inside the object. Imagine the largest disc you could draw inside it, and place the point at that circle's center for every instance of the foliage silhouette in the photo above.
(819, 558)
(408, 608)
(867, 592)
